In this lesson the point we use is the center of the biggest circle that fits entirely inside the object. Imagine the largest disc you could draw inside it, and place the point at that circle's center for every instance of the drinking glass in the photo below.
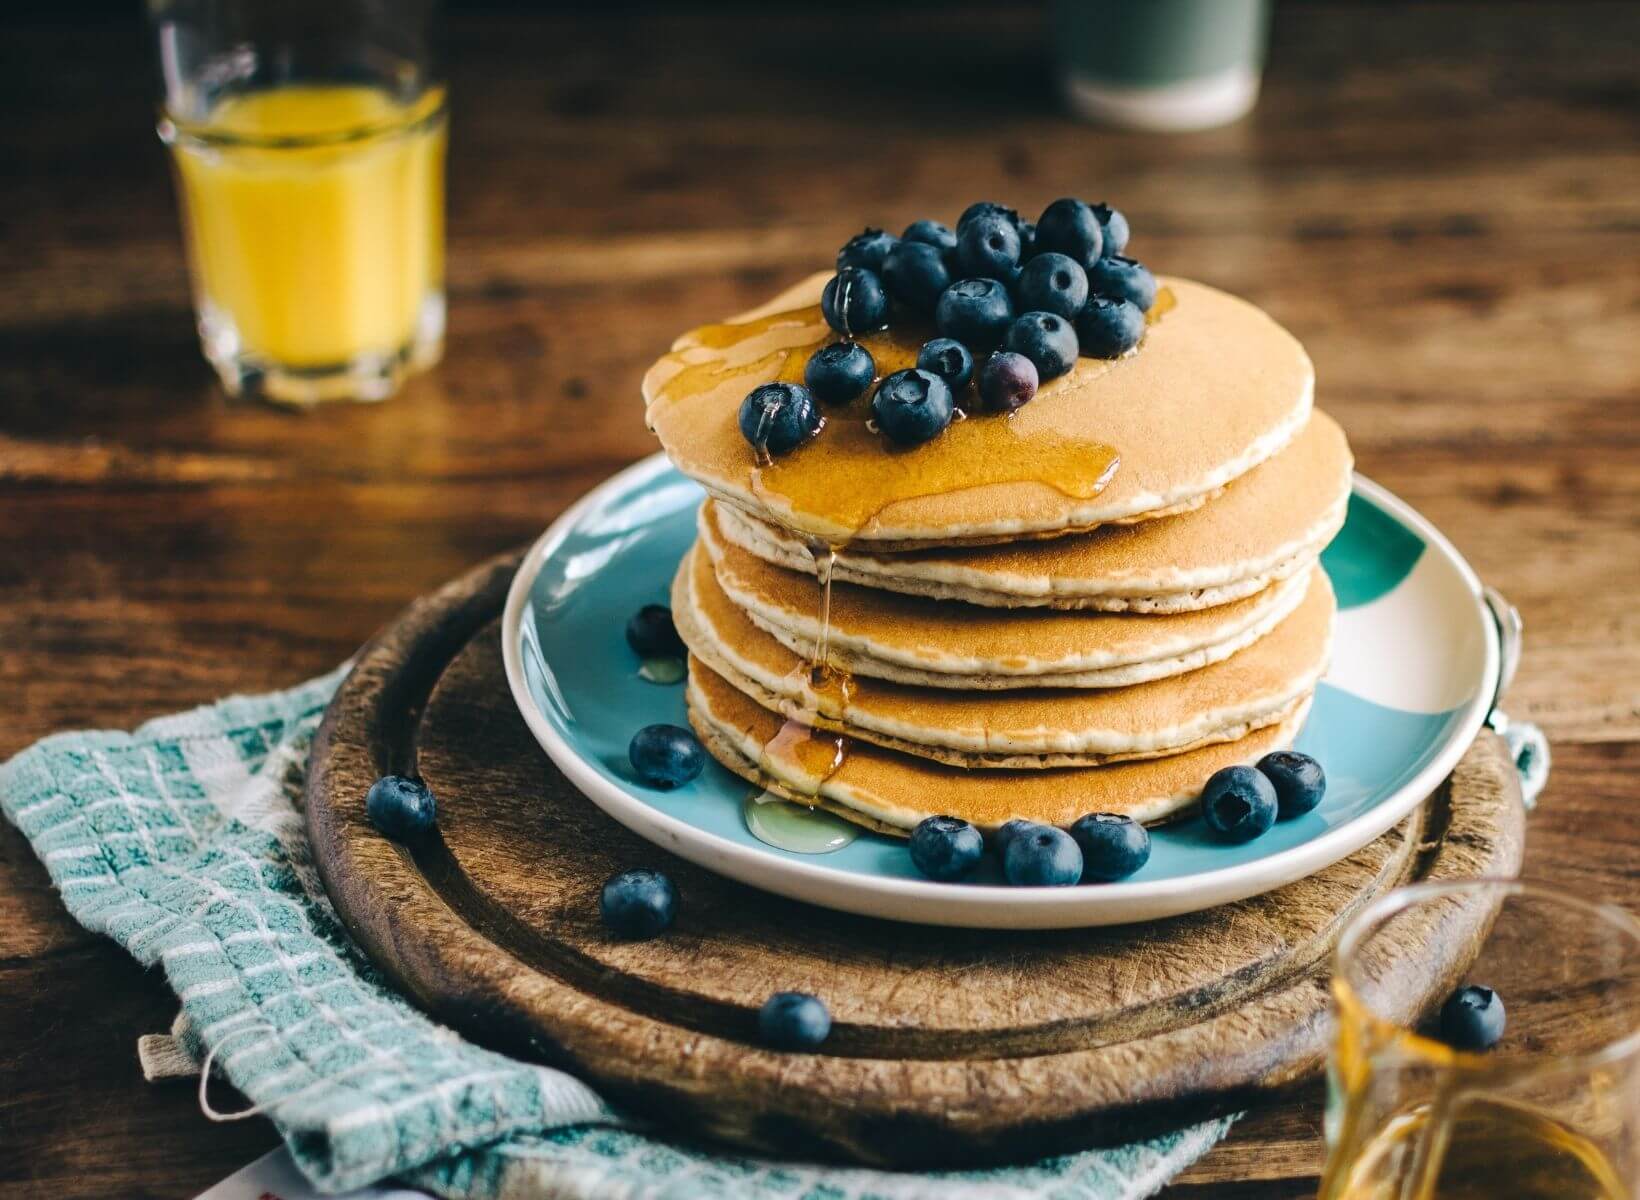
(308, 138)
(1551, 1111)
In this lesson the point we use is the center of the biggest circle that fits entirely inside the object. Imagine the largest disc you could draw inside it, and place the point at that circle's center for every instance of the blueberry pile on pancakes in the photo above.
(1000, 527)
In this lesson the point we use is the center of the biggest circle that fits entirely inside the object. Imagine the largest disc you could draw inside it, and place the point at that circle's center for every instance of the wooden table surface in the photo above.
(1442, 201)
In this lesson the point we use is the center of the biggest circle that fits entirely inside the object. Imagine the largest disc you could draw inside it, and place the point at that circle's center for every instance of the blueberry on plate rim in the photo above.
(1042, 856)
(1008, 831)
(854, 302)
(1107, 328)
(945, 848)
(1113, 846)
(651, 633)
(1052, 282)
(1007, 381)
(637, 905)
(912, 406)
(866, 249)
(401, 806)
(839, 372)
(976, 312)
(777, 418)
(666, 756)
(949, 359)
(1238, 804)
(1299, 781)
(1047, 340)
(793, 1021)
(1473, 1018)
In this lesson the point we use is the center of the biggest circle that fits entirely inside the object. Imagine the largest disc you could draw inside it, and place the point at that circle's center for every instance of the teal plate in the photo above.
(1415, 669)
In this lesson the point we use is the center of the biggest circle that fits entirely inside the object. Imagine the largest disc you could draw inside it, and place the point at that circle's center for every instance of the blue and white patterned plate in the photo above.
(1415, 669)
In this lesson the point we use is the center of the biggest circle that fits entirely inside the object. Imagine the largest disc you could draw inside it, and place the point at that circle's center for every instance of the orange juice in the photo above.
(314, 216)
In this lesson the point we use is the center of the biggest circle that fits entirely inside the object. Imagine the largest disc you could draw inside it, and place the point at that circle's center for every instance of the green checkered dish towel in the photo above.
(184, 842)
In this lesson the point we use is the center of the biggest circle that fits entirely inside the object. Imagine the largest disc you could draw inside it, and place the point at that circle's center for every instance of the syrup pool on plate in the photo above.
(786, 826)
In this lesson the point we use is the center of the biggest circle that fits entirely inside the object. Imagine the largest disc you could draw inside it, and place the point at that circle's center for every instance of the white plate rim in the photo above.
(931, 903)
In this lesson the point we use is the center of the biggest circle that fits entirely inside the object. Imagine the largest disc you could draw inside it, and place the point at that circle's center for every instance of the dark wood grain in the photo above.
(1055, 1040)
(1442, 200)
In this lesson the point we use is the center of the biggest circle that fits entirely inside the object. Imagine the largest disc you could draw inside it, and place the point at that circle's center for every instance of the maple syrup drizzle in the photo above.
(802, 757)
(847, 476)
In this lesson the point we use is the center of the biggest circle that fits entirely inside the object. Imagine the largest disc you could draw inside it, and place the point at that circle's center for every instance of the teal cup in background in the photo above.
(1165, 65)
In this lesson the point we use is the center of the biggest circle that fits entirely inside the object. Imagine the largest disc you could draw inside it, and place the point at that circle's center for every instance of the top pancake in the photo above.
(1215, 388)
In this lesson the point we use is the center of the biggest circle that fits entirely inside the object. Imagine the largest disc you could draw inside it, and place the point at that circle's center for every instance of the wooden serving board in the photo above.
(949, 1046)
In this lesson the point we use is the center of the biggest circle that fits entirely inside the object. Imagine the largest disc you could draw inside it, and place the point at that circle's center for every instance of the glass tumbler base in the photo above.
(367, 378)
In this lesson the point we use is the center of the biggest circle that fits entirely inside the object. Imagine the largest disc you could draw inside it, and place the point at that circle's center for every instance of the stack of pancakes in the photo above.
(991, 647)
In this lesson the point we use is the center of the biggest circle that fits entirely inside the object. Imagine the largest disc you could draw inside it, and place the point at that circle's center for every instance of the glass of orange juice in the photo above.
(308, 144)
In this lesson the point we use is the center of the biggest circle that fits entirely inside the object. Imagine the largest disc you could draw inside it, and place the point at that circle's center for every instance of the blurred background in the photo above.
(1442, 200)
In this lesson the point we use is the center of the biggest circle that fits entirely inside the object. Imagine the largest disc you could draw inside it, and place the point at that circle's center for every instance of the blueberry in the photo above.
(1027, 240)
(793, 1021)
(912, 406)
(666, 756)
(866, 249)
(401, 807)
(1070, 227)
(1114, 226)
(946, 848)
(1123, 279)
(839, 372)
(1108, 328)
(977, 312)
(779, 417)
(853, 301)
(638, 904)
(1042, 856)
(1238, 804)
(1007, 381)
(1047, 340)
(988, 246)
(1113, 846)
(931, 233)
(1298, 779)
(1008, 831)
(1052, 282)
(949, 359)
(1472, 1018)
(651, 634)
(915, 274)
(986, 208)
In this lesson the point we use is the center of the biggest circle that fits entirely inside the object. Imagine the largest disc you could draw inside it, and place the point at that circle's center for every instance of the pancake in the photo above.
(1266, 526)
(1215, 388)
(892, 792)
(1017, 729)
(933, 643)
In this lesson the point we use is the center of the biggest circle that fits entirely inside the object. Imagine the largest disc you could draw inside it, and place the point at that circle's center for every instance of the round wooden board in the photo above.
(949, 1047)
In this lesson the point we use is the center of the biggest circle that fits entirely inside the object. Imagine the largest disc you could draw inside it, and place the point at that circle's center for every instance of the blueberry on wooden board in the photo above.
(638, 904)
(793, 1021)
(401, 807)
